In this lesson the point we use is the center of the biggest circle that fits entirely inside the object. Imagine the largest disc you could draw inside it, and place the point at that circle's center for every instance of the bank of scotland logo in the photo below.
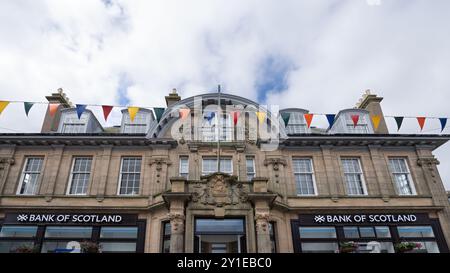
(319, 219)
(22, 217)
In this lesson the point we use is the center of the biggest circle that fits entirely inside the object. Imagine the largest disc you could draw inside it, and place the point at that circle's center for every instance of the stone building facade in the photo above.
(135, 188)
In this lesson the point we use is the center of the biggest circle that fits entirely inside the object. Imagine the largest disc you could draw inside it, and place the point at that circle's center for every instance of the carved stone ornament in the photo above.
(176, 222)
(262, 222)
(4, 161)
(275, 162)
(429, 163)
(219, 189)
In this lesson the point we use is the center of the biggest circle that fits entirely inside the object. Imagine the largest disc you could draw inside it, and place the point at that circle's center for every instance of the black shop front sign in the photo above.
(70, 218)
(363, 219)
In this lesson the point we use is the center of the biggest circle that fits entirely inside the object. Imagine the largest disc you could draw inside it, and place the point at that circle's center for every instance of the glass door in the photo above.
(220, 236)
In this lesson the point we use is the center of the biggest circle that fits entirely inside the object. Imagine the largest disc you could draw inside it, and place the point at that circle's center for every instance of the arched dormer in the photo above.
(344, 123)
(297, 123)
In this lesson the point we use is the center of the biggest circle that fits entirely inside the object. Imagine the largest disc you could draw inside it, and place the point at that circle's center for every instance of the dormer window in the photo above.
(71, 124)
(360, 128)
(297, 122)
(345, 122)
(210, 128)
(139, 125)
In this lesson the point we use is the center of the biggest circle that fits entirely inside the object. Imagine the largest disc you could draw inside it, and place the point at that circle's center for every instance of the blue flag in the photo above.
(443, 123)
(80, 109)
(209, 116)
(330, 118)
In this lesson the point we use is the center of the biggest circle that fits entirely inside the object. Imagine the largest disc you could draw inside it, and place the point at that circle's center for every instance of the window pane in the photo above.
(319, 247)
(80, 175)
(375, 247)
(184, 166)
(383, 232)
(108, 247)
(118, 232)
(31, 175)
(167, 228)
(415, 231)
(317, 232)
(15, 246)
(60, 246)
(219, 226)
(426, 247)
(18, 231)
(68, 232)
(367, 232)
(351, 232)
(209, 165)
(130, 175)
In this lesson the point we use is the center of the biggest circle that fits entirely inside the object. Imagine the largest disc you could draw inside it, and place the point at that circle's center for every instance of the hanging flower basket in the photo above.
(348, 247)
(405, 247)
(26, 249)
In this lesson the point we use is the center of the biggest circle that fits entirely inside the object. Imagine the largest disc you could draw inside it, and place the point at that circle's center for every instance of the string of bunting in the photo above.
(209, 116)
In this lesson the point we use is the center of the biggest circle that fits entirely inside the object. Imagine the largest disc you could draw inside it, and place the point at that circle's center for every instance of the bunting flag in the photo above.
(158, 112)
(106, 110)
(184, 113)
(355, 119)
(261, 116)
(330, 118)
(132, 111)
(80, 109)
(286, 117)
(376, 121)
(3, 105)
(27, 106)
(399, 121)
(235, 115)
(209, 116)
(443, 123)
(53, 107)
(421, 121)
(308, 118)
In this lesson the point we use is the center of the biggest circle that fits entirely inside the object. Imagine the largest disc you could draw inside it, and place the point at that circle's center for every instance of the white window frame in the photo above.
(297, 124)
(221, 158)
(363, 180)
(72, 173)
(23, 173)
(409, 176)
(141, 120)
(254, 166)
(312, 175)
(180, 173)
(71, 120)
(362, 123)
(120, 177)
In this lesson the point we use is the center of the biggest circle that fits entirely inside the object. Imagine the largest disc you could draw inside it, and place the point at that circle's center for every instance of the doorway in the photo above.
(219, 236)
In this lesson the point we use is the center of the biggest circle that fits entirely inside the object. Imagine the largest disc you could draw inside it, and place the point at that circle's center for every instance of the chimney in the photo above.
(50, 123)
(172, 98)
(371, 103)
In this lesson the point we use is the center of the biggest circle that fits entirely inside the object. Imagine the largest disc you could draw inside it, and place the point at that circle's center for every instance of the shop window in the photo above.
(68, 232)
(119, 232)
(426, 247)
(166, 237)
(79, 176)
(317, 232)
(316, 247)
(383, 232)
(18, 231)
(219, 236)
(15, 246)
(209, 165)
(354, 178)
(17, 238)
(130, 176)
(29, 179)
(415, 232)
(402, 177)
(304, 176)
(120, 247)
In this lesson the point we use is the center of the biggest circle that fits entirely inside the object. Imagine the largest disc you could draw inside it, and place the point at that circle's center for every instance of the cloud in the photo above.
(286, 53)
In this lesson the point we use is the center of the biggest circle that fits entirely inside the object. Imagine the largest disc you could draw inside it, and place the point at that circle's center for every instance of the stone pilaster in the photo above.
(105, 159)
(381, 172)
(177, 232)
(331, 173)
(5, 163)
(262, 232)
(53, 167)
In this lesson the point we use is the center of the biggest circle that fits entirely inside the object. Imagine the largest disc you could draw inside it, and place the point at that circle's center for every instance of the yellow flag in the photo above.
(3, 105)
(376, 121)
(261, 116)
(132, 111)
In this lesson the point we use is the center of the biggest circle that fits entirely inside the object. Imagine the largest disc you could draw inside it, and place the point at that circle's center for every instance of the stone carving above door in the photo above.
(219, 189)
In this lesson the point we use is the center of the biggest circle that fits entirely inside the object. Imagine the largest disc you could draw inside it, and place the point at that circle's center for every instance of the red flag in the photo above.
(421, 121)
(106, 110)
(184, 113)
(308, 118)
(355, 119)
(235, 115)
(53, 107)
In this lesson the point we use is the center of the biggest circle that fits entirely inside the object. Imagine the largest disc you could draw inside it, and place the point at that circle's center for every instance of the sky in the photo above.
(318, 55)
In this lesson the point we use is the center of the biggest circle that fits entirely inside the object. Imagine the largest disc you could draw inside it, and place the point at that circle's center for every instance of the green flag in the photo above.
(158, 112)
(285, 117)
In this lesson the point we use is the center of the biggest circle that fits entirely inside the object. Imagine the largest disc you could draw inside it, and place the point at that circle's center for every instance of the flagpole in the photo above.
(219, 114)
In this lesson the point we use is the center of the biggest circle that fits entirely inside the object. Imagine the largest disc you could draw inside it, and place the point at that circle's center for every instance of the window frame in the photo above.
(23, 173)
(408, 175)
(180, 173)
(252, 158)
(362, 123)
(363, 180)
(215, 158)
(120, 176)
(313, 176)
(71, 175)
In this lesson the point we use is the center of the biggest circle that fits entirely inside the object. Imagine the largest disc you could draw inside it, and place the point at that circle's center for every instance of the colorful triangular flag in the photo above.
(106, 111)
(235, 116)
(184, 113)
(376, 121)
(355, 119)
(261, 116)
(330, 118)
(209, 116)
(158, 113)
(421, 121)
(399, 121)
(443, 123)
(80, 109)
(27, 106)
(53, 107)
(3, 105)
(308, 118)
(286, 117)
(132, 111)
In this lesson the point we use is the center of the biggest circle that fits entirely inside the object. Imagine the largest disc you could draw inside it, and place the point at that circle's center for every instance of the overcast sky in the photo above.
(317, 55)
